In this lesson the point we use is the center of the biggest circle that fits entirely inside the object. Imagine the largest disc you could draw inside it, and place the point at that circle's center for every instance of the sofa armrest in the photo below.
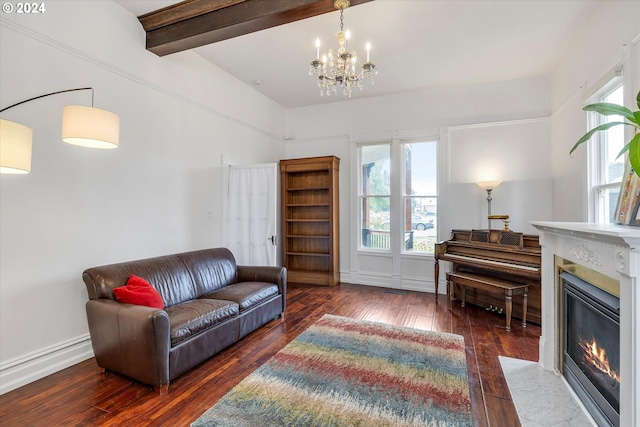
(130, 339)
(276, 275)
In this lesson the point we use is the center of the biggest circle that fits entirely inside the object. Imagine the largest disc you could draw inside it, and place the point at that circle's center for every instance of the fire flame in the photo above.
(598, 357)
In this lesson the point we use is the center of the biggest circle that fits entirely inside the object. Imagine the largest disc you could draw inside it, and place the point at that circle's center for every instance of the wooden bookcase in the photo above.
(310, 220)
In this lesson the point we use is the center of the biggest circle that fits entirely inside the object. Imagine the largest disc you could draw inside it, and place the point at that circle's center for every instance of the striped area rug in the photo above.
(347, 372)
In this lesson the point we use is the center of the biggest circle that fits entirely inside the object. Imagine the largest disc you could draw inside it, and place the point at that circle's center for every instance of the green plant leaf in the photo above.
(638, 99)
(636, 114)
(589, 134)
(625, 148)
(634, 153)
(608, 109)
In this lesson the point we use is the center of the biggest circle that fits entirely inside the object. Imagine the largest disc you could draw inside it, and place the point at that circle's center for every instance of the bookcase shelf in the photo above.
(310, 225)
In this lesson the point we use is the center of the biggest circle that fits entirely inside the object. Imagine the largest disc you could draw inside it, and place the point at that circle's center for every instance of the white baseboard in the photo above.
(386, 281)
(36, 365)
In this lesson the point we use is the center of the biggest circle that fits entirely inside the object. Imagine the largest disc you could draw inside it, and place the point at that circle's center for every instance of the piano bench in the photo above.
(490, 284)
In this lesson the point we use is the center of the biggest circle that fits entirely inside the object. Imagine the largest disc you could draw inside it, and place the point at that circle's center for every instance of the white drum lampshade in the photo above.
(90, 127)
(15, 147)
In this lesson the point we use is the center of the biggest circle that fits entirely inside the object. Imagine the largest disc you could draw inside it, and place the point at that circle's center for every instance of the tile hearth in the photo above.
(541, 398)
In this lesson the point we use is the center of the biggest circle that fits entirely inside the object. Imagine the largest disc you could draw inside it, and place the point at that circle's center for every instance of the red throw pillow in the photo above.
(138, 291)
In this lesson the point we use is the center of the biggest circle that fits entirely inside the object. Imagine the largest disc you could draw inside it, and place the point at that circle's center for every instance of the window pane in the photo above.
(420, 168)
(375, 165)
(375, 223)
(420, 202)
(376, 170)
(420, 224)
(608, 202)
(613, 141)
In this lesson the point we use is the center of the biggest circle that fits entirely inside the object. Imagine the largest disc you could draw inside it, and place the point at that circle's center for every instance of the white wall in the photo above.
(430, 109)
(596, 52)
(159, 192)
(516, 153)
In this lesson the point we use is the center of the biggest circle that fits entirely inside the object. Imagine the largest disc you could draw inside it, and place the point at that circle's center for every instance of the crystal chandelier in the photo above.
(338, 69)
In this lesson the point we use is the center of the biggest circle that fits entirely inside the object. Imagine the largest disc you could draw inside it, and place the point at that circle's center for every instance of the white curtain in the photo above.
(251, 216)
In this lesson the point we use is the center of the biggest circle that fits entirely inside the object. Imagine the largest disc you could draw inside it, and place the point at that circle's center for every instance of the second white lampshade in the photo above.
(90, 127)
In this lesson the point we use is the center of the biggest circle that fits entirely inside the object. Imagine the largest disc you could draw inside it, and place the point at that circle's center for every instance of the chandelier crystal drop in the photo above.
(338, 69)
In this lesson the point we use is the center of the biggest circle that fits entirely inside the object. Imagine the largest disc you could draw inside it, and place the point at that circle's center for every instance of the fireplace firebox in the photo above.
(591, 347)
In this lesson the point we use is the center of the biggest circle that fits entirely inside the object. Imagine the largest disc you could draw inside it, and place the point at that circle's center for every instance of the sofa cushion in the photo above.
(140, 292)
(211, 269)
(169, 275)
(245, 294)
(192, 317)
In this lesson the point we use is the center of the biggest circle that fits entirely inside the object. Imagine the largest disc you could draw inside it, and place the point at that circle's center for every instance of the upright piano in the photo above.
(494, 254)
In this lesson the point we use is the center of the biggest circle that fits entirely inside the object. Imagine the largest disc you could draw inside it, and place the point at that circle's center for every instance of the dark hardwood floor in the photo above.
(82, 396)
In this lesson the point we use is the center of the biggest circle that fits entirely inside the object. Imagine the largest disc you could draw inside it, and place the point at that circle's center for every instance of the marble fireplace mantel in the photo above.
(613, 251)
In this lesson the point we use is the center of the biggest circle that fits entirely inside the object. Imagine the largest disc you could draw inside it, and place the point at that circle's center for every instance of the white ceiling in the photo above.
(416, 44)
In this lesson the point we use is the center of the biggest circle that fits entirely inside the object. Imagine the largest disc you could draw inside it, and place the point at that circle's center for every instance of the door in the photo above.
(251, 214)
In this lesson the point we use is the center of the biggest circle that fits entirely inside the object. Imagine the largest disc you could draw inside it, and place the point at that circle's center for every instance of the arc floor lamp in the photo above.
(81, 125)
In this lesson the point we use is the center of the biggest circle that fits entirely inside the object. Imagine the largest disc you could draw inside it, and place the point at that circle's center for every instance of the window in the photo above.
(607, 169)
(398, 211)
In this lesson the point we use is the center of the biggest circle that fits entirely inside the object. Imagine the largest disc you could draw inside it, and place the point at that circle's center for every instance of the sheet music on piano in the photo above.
(504, 255)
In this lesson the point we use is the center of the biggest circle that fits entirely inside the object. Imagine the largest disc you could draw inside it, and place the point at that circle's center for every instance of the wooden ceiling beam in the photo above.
(182, 11)
(194, 23)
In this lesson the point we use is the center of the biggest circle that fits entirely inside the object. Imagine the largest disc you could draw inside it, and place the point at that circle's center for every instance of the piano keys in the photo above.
(498, 254)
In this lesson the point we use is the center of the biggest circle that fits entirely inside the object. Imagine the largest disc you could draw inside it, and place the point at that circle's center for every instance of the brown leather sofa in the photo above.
(210, 303)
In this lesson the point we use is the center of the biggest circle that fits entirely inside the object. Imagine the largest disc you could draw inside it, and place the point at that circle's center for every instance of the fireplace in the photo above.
(612, 253)
(591, 347)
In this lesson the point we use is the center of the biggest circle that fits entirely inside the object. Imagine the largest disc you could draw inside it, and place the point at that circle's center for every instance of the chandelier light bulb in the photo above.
(317, 48)
(368, 50)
